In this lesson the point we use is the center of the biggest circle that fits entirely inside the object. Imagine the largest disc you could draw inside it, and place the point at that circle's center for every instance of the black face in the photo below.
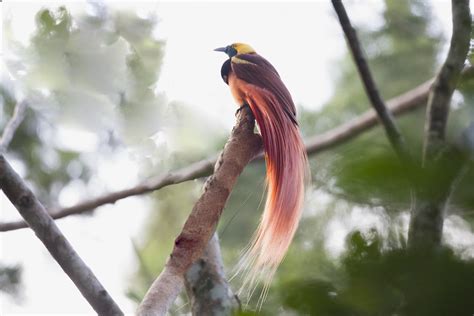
(229, 50)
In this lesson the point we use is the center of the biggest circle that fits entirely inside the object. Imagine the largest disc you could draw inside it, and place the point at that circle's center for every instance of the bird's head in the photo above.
(236, 49)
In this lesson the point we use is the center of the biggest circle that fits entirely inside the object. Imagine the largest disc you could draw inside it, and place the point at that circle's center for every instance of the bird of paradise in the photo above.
(254, 82)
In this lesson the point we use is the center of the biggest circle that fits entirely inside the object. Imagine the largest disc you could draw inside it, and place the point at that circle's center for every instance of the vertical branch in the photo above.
(207, 286)
(12, 125)
(241, 147)
(385, 117)
(46, 230)
(446, 81)
(426, 223)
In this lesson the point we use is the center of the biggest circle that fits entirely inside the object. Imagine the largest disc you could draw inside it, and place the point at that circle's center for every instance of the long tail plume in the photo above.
(287, 172)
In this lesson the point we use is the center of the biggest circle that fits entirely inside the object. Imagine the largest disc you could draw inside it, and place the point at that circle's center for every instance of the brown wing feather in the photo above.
(258, 71)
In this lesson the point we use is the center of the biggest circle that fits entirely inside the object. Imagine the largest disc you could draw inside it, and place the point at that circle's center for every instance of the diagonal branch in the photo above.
(403, 103)
(12, 125)
(330, 139)
(241, 147)
(446, 81)
(195, 170)
(46, 230)
(393, 133)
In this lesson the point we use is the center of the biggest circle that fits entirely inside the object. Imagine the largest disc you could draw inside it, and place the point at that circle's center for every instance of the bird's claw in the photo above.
(241, 108)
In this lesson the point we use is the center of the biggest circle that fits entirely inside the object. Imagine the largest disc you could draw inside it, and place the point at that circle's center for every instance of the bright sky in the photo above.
(278, 31)
(301, 39)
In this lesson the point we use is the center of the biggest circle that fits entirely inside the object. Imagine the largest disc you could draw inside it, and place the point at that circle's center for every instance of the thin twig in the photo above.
(241, 147)
(446, 81)
(195, 170)
(46, 230)
(393, 133)
(403, 103)
(12, 125)
(344, 132)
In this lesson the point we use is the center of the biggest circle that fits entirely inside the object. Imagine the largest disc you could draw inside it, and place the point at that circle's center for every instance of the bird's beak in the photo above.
(221, 49)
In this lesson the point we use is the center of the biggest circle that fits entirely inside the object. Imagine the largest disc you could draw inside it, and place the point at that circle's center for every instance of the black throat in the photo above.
(225, 70)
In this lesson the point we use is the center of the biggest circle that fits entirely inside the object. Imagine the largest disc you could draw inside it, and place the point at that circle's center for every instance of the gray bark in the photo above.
(385, 117)
(12, 125)
(207, 286)
(241, 147)
(403, 103)
(426, 223)
(59, 247)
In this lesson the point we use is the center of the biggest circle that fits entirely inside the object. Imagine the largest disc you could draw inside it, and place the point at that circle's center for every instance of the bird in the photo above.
(255, 83)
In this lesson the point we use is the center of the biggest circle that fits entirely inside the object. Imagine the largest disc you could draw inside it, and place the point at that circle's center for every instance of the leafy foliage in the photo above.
(87, 72)
(10, 279)
(381, 281)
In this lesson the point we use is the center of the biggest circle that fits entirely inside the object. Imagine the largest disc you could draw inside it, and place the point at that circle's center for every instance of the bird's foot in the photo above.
(245, 105)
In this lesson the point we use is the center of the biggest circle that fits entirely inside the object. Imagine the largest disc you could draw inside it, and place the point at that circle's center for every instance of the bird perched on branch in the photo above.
(254, 82)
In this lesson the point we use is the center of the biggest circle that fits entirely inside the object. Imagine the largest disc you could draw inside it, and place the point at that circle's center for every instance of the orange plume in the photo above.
(254, 82)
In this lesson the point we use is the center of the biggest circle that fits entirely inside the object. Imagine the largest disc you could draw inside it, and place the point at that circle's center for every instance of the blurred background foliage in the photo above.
(93, 76)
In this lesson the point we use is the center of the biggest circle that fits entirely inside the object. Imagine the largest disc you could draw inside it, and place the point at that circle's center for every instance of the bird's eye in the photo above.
(231, 50)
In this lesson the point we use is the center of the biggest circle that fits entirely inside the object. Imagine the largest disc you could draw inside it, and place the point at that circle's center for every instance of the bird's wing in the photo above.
(256, 70)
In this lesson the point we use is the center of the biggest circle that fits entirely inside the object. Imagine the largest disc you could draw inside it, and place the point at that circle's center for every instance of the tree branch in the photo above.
(194, 171)
(393, 133)
(426, 223)
(207, 286)
(403, 103)
(446, 81)
(12, 125)
(50, 235)
(330, 139)
(241, 147)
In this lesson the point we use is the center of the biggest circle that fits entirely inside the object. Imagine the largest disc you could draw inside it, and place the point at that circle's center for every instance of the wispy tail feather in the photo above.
(287, 172)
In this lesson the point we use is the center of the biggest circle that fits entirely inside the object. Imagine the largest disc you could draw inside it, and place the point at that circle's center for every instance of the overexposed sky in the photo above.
(301, 39)
(288, 35)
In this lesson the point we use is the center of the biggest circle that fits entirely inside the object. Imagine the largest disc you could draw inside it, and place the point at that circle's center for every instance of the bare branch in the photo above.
(207, 286)
(241, 147)
(12, 125)
(446, 81)
(426, 222)
(194, 171)
(330, 139)
(403, 103)
(46, 230)
(393, 133)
